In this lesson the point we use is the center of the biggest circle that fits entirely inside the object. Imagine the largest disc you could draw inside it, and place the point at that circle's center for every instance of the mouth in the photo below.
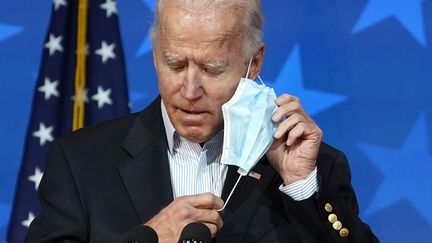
(192, 112)
(192, 115)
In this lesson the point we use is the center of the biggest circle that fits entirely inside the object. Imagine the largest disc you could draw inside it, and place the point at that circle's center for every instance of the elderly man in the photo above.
(149, 174)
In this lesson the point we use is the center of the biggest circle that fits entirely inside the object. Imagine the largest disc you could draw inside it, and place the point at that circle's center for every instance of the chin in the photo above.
(196, 134)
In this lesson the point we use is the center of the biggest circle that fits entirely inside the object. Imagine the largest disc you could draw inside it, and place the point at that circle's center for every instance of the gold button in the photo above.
(328, 207)
(332, 218)
(337, 225)
(344, 232)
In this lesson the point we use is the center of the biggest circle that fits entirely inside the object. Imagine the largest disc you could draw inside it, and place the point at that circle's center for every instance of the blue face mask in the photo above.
(248, 128)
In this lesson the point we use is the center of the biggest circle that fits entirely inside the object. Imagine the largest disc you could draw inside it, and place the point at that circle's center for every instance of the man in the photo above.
(156, 171)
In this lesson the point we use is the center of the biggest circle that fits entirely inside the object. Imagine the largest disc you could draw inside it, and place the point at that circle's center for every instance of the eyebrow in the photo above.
(171, 59)
(174, 60)
(216, 64)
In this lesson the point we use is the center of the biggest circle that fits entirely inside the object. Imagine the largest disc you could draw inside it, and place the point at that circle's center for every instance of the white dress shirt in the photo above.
(195, 169)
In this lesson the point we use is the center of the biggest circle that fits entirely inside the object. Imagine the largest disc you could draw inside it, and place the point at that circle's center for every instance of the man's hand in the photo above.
(171, 220)
(297, 140)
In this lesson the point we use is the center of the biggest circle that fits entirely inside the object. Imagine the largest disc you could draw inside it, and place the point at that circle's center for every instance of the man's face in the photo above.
(199, 60)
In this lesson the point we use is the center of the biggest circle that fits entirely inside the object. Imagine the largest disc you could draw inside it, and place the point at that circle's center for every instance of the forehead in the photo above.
(216, 29)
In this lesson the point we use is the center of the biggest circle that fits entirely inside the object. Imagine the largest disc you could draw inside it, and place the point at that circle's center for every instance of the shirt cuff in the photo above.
(302, 189)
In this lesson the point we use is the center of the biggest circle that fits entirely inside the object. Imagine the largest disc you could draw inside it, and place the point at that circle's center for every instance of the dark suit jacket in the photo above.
(104, 181)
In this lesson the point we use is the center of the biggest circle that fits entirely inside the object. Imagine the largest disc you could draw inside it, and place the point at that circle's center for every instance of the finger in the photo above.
(285, 98)
(287, 125)
(287, 110)
(206, 200)
(210, 216)
(213, 229)
(296, 133)
(277, 143)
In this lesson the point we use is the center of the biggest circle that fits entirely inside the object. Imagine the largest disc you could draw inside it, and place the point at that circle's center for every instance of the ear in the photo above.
(154, 60)
(257, 62)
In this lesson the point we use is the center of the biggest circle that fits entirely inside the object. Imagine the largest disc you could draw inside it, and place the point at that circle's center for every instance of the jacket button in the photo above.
(337, 225)
(328, 207)
(344, 232)
(332, 218)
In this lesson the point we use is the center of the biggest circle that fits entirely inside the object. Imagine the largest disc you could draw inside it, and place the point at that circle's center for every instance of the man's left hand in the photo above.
(297, 140)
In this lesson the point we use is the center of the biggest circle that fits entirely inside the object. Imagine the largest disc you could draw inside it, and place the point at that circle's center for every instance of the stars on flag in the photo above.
(54, 44)
(44, 134)
(82, 94)
(30, 218)
(59, 3)
(36, 177)
(49, 88)
(106, 51)
(102, 97)
(105, 85)
(110, 7)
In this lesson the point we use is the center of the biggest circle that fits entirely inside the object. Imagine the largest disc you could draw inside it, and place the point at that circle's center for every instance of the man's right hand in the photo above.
(171, 220)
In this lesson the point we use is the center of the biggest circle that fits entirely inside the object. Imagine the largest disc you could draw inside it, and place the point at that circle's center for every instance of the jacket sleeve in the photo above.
(335, 201)
(63, 215)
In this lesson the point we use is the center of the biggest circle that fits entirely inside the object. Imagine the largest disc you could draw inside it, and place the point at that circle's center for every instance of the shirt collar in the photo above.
(173, 138)
(169, 128)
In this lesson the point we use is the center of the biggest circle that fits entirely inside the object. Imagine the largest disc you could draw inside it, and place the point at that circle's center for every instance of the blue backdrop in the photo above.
(363, 69)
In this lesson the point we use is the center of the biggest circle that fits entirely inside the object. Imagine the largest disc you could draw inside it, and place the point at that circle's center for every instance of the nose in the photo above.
(192, 85)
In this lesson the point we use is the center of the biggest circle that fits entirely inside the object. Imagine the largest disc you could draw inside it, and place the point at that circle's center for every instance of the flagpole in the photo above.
(80, 71)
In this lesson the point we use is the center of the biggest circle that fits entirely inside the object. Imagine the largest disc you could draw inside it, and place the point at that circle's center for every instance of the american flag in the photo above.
(105, 95)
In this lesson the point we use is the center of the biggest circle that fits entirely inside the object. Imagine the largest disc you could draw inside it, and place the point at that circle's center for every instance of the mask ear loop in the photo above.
(248, 70)
(249, 66)
(240, 175)
(229, 196)
(259, 78)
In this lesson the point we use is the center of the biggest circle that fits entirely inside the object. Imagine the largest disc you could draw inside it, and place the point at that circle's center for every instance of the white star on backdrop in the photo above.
(59, 3)
(54, 44)
(49, 88)
(82, 95)
(44, 134)
(102, 97)
(106, 51)
(110, 7)
(36, 177)
(27, 222)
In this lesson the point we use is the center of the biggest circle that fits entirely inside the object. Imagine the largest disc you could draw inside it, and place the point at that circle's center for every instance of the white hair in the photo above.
(253, 20)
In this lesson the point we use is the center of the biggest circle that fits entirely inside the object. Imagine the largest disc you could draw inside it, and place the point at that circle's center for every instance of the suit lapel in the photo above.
(245, 200)
(147, 175)
(247, 183)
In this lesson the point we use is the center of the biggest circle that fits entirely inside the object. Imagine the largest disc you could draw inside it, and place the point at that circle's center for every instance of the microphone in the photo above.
(195, 233)
(139, 234)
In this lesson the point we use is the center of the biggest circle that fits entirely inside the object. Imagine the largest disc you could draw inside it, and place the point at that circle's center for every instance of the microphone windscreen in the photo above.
(195, 232)
(141, 233)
